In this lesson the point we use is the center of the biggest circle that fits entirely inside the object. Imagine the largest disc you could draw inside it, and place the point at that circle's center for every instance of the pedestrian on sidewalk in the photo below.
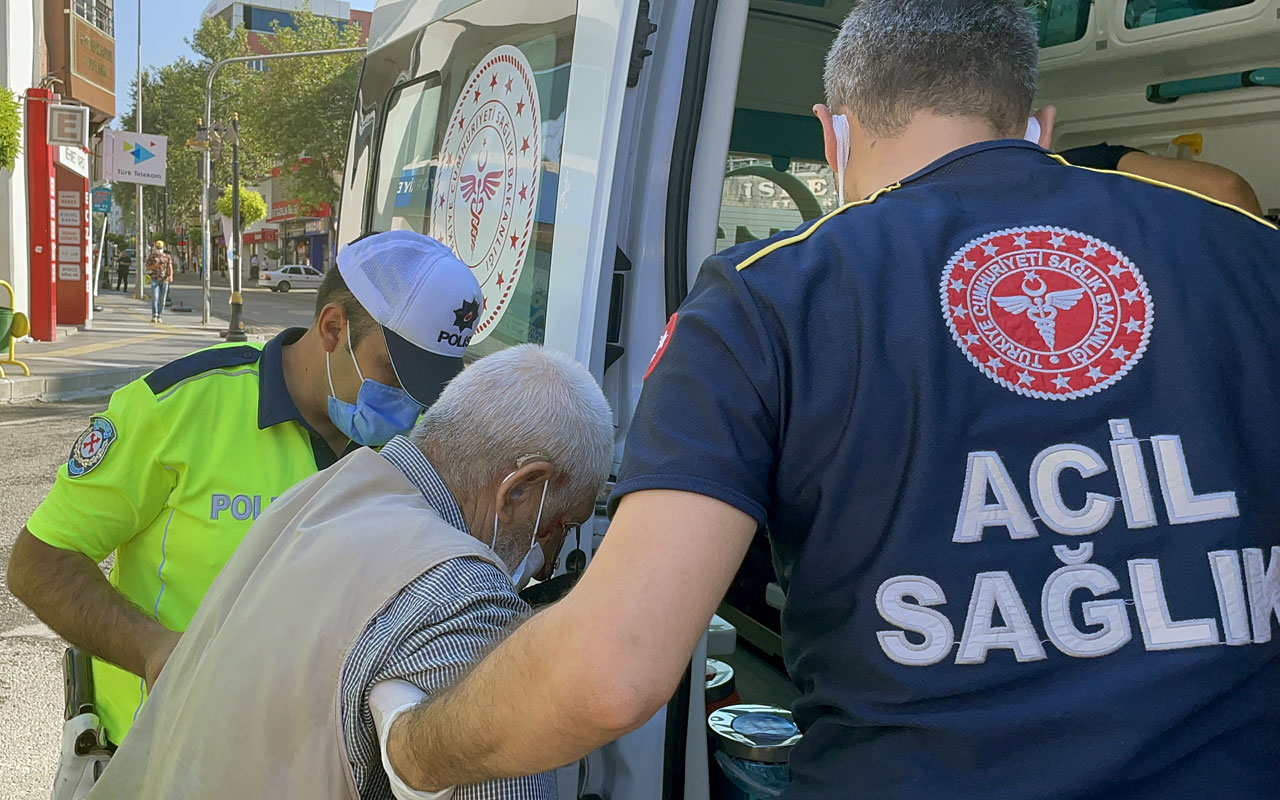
(172, 475)
(160, 270)
(122, 273)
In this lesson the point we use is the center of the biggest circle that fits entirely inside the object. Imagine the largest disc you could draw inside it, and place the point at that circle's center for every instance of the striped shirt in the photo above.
(429, 635)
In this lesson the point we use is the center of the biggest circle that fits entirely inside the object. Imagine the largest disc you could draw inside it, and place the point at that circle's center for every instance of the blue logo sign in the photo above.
(102, 200)
(138, 152)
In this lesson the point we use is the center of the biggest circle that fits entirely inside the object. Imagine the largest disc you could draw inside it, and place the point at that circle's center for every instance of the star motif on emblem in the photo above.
(519, 107)
(1021, 240)
(957, 286)
(1062, 382)
(1024, 379)
(1096, 373)
(1058, 240)
(509, 85)
(970, 339)
(465, 317)
(524, 192)
(1130, 296)
(990, 249)
(524, 147)
(1089, 249)
(477, 96)
(1116, 270)
(968, 264)
(1120, 353)
(501, 280)
(960, 311)
(493, 83)
(994, 363)
(1132, 326)
(515, 239)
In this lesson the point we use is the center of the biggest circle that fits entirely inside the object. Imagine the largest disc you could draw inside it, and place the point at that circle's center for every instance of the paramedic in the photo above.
(1007, 421)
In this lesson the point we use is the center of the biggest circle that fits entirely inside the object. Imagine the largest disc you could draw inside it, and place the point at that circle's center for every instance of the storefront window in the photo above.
(1061, 21)
(1141, 13)
(469, 153)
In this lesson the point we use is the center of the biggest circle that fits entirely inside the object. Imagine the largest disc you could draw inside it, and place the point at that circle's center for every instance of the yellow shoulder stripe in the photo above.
(1154, 182)
(800, 237)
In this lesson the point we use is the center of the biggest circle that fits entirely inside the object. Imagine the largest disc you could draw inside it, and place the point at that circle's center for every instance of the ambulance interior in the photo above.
(1099, 63)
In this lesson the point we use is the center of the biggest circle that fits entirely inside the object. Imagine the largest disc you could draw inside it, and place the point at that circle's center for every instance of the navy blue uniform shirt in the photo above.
(1014, 428)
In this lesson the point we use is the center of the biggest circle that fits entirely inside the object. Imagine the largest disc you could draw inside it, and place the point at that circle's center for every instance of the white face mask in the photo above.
(840, 125)
(1033, 130)
(534, 560)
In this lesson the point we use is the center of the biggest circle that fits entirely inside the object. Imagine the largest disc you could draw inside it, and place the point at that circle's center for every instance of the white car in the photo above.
(290, 276)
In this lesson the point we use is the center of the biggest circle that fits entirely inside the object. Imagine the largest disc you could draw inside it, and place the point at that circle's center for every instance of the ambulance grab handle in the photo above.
(1170, 91)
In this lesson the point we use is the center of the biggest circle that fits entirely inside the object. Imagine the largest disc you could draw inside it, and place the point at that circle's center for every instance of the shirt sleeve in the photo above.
(113, 484)
(707, 420)
(447, 619)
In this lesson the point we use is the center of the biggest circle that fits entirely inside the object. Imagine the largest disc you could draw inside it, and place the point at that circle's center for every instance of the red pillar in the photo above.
(41, 213)
(71, 267)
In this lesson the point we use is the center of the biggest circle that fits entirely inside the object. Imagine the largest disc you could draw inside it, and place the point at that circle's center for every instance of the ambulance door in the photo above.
(494, 128)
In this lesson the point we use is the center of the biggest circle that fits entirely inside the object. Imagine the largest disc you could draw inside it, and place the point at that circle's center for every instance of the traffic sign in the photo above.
(102, 200)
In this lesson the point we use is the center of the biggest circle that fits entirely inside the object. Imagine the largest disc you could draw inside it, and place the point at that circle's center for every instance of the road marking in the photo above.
(84, 361)
(29, 420)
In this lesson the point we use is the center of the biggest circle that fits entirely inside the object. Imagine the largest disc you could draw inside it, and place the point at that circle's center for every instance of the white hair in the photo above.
(523, 400)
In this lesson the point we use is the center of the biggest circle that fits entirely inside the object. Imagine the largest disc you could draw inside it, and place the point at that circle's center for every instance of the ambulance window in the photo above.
(469, 153)
(404, 160)
(776, 177)
(760, 200)
(1141, 13)
(1061, 21)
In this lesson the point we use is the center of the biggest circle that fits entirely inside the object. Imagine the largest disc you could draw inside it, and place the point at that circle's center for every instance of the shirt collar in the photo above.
(974, 149)
(405, 456)
(275, 405)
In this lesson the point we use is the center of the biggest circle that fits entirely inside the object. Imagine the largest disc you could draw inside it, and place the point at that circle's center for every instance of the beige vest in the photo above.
(248, 705)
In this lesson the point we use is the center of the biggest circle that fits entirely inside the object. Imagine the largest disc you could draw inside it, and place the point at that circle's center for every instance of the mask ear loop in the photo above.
(840, 126)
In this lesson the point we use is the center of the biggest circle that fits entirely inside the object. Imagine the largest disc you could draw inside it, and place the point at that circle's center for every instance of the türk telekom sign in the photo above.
(134, 157)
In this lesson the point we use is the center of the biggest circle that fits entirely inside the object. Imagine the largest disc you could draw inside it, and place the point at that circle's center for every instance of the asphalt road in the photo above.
(264, 309)
(34, 439)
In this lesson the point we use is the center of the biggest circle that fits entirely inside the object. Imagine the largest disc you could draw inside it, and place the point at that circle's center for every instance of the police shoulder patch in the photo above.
(91, 447)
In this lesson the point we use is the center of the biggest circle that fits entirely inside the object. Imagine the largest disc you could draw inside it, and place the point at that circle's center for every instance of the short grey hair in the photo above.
(521, 401)
(957, 58)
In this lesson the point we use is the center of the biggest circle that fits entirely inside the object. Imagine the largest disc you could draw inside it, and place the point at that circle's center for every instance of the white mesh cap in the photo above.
(424, 297)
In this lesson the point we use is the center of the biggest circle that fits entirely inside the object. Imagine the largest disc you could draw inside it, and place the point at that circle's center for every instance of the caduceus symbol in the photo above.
(1040, 306)
(478, 189)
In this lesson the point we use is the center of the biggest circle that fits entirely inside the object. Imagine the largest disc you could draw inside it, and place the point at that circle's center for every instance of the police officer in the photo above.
(173, 473)
(1011, 424)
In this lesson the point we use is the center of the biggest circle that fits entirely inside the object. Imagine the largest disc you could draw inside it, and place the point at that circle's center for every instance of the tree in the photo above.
(10, 126)
(253, 206)
(303, 116)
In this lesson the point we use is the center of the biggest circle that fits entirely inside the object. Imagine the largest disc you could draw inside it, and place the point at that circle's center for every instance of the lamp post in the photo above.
(235, 327)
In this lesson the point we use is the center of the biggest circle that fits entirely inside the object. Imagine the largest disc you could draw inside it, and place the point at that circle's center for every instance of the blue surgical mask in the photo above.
(379, 413)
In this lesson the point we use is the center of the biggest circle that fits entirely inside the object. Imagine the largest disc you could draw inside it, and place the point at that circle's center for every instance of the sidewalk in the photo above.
(120, 345)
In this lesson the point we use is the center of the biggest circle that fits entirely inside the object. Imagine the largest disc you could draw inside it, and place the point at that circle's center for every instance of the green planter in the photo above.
(6, 322)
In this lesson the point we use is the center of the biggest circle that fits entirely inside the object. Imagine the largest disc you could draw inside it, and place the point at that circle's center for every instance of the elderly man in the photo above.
(399, 566)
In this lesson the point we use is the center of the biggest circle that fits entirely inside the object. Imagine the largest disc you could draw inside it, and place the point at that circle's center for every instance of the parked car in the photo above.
(290, 276)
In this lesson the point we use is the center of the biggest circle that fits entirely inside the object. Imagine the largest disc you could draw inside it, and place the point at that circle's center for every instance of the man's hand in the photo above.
(68, 592)
(159, 656)
(592, 667)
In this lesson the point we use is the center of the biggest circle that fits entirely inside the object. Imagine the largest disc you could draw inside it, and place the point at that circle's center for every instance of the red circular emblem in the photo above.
(1047, 312)
(486, 190)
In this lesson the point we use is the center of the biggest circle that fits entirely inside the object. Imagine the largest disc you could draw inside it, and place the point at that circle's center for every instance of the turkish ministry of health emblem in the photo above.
(487, 183)
(1047, 312)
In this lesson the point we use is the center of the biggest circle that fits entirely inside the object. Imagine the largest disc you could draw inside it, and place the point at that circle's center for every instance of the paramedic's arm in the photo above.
(1207, 179)
(694, 487)
(53, 569)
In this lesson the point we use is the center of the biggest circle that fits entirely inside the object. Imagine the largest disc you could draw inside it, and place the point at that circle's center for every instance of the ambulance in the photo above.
(585, 156)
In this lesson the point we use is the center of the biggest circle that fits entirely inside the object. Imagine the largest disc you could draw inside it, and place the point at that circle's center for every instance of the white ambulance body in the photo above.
(585, 156)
